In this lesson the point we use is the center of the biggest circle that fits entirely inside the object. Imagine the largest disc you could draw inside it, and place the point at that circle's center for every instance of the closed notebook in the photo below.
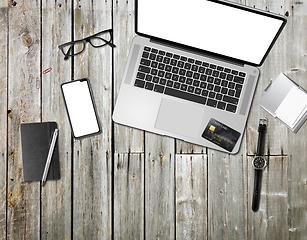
(35, 143)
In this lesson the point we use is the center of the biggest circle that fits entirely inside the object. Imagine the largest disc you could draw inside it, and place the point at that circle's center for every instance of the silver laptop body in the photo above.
(192, 73)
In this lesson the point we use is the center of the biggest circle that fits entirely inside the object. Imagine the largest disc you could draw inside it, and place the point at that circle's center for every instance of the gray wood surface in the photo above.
(126, 183)
(3, 117)
(56, 211)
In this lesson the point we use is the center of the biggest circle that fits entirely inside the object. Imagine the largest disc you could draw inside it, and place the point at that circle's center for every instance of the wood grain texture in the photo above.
(3, 117)
(129, 209)
(126, 183)
(191, 197)
(227, 195)
(159, 187)
(297, 164)
(92, 164)
(276, 142)
(126, 139)
(24, 99)
(56, 208)
(271, 221)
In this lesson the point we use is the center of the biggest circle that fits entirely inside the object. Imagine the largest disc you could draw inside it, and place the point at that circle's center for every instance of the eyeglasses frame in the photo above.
(84, 41)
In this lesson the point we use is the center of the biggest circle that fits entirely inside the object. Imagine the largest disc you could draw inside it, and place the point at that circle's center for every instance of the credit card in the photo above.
(221, 135)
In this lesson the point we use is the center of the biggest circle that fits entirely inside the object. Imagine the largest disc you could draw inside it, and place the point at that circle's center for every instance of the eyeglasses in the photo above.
(97, 40)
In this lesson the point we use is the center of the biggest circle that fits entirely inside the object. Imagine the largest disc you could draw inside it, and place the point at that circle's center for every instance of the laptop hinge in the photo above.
(195, 51)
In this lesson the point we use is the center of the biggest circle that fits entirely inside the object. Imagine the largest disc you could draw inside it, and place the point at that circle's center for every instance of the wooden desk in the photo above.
(127, 183)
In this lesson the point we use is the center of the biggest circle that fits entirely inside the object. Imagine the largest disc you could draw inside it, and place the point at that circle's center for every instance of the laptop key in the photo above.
(189, 74)
(222, 75)
(205, 93)
(159, 88)
(194, 68)
(155, 79)
(231, 108)
(147, 49)
(211, 102)
(191, 89)
(149, 86)
(168, 68)
(231, 92)
(221, 105)
(154, 64)
(144, 69)
(139, 83)
(212, 66)
(184, 87)
(197, 91)
(189, 81)
(231, 100)
(201, 70)
(215, 73)
(162, 81)
(152, 56)
(185, 95)
(145, 62)
(176, 85)
(140, 75)
(234, 72)
(169, 83)
(175, 77)
(229, 77)
(242, 74)
(148, 78)
(238, 79)
(145, 55)
(238, 90)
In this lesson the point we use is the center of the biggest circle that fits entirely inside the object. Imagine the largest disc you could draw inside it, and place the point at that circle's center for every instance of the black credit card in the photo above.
(221, 135)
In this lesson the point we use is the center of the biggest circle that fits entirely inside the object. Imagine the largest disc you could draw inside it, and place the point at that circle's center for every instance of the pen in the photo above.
(54, 137)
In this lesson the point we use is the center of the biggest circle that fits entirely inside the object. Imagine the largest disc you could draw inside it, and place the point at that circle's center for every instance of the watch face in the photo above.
(259, 162)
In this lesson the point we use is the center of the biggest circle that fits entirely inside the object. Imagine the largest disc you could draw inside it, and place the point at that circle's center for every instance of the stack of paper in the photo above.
(293, 107)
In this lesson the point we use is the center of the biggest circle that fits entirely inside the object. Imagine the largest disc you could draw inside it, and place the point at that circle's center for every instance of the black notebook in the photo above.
(35, 142)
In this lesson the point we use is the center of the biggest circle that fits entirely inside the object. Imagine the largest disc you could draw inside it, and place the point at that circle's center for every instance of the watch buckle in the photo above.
(263, 121)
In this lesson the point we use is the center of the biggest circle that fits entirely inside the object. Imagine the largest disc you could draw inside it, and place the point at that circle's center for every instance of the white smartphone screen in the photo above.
(80, 108)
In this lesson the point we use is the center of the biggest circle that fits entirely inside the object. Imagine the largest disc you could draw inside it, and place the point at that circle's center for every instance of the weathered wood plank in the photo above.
(129, 196)
(271, 220)
(227, 194)
(159, 187)
(297, 166)
(277, 135)
(56, 208)
(92, 162)
(24, 100)
(3, 116)
(183, 147)
(126, 139)
(191, 197)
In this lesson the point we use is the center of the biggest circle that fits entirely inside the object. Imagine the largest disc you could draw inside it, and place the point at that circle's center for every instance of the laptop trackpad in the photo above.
(180, 118)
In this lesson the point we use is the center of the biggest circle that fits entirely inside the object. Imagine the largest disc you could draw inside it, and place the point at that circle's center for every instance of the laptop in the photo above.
(192, 69)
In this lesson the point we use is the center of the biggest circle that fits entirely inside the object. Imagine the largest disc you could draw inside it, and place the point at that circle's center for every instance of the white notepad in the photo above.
(293, 107)
(286, 101)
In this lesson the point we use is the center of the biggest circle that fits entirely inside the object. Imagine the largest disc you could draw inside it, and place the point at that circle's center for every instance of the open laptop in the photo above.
(192, 69)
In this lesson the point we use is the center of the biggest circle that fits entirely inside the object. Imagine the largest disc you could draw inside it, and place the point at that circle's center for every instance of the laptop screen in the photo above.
(220, 28)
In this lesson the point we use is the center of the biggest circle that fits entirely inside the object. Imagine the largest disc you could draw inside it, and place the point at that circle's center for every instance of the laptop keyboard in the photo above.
(190, 79)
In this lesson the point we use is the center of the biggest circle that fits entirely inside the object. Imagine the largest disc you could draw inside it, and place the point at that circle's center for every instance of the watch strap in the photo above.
(257, 190)
(261, 139)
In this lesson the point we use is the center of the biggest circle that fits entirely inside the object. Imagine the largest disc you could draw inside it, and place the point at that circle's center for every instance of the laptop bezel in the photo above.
(212, 54)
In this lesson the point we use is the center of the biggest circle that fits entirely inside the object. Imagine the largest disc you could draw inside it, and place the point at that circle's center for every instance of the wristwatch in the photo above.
(259, 163)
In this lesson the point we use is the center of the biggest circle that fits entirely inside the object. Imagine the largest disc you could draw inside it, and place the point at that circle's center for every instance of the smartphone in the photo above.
(80, 107)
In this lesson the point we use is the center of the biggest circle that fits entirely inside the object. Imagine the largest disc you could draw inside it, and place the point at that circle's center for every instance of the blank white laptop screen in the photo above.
(209, 26)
